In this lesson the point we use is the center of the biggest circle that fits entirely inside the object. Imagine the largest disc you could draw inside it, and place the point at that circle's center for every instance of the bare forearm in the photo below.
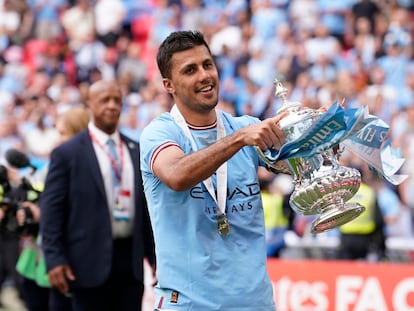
(198, 166)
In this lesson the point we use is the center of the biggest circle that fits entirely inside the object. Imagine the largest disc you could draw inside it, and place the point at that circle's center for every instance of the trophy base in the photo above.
(336, 217)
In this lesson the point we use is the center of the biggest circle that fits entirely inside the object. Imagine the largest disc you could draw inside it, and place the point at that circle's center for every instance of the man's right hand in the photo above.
(265, 134)
(58, 277)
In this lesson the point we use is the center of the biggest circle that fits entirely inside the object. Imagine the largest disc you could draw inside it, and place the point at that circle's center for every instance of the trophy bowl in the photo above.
(321, 185)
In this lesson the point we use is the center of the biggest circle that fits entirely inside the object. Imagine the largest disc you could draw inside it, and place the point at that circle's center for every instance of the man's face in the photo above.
(194, 79)
(105, 103)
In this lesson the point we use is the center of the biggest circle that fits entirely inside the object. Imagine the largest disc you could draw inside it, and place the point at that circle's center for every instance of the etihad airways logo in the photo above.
(242, 196)
(244, 191)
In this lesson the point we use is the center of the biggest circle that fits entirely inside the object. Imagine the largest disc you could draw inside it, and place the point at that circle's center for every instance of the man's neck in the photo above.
(198, 119)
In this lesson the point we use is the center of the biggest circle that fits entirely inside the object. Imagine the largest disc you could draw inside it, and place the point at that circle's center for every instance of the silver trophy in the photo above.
(321, 185)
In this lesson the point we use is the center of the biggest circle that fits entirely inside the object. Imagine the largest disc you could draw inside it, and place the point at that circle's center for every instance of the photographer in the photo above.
(9, 235)
(20, 224)
(38, 293)
(30, 265)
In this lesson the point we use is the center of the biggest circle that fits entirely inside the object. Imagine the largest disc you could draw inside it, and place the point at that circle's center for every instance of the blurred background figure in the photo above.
(364, 238)
(37, 291)
(10, 194)
(277, 212)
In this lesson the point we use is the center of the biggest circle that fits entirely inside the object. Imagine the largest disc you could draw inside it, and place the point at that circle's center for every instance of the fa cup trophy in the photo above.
(321, 185)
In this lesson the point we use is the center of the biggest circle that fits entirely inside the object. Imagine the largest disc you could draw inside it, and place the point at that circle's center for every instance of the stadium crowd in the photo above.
(357, 50)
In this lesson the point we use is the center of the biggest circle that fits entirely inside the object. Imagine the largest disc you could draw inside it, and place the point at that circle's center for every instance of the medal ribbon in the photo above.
(221, 171)
(117, 168)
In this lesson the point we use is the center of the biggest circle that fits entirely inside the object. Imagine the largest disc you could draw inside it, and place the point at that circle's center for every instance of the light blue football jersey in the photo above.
(197, 268)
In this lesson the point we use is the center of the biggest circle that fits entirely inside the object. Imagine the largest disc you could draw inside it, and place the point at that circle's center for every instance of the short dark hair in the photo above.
(177, 41)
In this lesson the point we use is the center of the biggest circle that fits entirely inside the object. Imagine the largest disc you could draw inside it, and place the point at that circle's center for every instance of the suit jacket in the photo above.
(75, 218)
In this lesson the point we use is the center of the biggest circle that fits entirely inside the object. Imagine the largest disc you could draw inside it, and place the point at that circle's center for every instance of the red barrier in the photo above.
(342, 286)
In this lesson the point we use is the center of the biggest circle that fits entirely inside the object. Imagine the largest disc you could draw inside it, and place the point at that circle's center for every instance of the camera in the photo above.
(14, 193)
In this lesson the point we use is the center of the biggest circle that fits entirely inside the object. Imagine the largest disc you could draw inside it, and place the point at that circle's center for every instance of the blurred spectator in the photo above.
(298, 64)
(366, 45)
(284, 38)
(345, 87)
(357, 236)
(62, 93)
(322, 43)
(40, 136)
(406, 92)
(275, 191)
(9, 136)
(45, 17)
(404, 137)
(109, 16)
(109, 63)
(166, 19)
(364, 237)
(129, 123)
(394, 62)
(191, 14)
(266, 17)
(9, 23)
(364, 10)
(135, 10)
(260, 70)
(79, 24)
(149, 106)
(335, 16)
(304, 14)
(71, 122)
(89, 55)
(304, 91)
(322, 71)
(380, 97)
(38, 84)
(402, 123)
(14, 72)
(131, 68)
(227, 37)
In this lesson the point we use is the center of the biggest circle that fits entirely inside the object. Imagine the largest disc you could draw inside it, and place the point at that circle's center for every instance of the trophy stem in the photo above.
(334, 201)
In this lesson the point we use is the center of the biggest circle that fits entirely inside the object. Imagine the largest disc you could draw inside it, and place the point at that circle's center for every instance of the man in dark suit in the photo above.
(94, 222)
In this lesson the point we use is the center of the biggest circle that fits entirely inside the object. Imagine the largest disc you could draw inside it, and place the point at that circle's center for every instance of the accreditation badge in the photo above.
(122, 202)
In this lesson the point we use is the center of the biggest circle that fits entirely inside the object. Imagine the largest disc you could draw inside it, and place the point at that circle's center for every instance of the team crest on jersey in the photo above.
(174, 296)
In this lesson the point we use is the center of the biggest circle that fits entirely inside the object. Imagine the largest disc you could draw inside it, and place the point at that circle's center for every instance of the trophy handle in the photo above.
(275, 168)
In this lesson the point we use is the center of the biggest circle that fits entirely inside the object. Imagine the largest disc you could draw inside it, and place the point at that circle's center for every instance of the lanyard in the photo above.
(117, 168)
(221, 171)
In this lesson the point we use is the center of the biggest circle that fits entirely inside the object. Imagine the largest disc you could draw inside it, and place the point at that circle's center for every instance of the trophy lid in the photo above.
(281, 92)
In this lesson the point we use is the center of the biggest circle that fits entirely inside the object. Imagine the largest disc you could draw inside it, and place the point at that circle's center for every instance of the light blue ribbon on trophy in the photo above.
(360, 132)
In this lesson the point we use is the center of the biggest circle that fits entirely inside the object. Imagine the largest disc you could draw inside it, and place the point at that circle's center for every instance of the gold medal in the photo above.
(223, 225)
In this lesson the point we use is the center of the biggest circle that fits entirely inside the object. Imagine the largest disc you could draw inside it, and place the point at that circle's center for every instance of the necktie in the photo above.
(120, 210)
(114, 161)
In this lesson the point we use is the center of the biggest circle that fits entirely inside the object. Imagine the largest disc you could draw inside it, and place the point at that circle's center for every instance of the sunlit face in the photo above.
(194, 80)
(105, 103)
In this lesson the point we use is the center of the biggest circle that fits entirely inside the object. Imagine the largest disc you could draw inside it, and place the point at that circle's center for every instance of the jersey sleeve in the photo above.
(158, 135)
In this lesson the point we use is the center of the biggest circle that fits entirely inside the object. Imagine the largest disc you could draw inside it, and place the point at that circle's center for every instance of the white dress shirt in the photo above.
(120, 228)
